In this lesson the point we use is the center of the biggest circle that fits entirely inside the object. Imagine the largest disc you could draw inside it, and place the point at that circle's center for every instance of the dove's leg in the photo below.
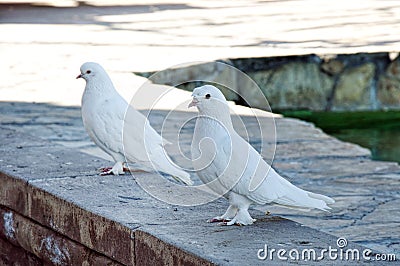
(117, 169)
(127, 168)
(228, 215)
(104, 169)
(107, 170)
(242, 216)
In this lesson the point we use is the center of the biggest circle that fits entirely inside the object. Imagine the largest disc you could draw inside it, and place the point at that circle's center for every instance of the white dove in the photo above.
(229, 165)
(103, 115)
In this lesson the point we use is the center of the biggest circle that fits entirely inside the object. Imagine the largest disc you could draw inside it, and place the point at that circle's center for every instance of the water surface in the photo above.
(377, 131)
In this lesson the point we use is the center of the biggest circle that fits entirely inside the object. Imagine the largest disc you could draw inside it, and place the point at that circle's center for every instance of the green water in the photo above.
(377, 131)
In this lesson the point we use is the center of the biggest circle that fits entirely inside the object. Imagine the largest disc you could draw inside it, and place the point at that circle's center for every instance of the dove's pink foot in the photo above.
(226, 217)
(117, 169)
(109, 170)
(106, 171)
(217, 220)
(241, 218)
(229, 224)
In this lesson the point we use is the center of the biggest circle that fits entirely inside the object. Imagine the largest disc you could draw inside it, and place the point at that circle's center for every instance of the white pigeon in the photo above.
(229, 165)
(103, 115)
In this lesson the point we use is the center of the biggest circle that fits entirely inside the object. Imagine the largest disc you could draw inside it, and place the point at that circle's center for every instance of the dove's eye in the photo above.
(88, 72)
(208, 96)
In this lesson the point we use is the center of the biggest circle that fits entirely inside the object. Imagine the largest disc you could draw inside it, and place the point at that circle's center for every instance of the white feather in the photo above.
(118, 128)
(235, 164)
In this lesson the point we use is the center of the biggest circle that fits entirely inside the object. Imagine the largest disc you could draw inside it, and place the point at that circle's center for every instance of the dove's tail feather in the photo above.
(169, 168)
(305, 201)
(298, 198)
(326, 199)
(302, 199)
(276, 189)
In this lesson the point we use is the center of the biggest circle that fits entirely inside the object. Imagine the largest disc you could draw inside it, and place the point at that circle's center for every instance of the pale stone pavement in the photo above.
(42, 47)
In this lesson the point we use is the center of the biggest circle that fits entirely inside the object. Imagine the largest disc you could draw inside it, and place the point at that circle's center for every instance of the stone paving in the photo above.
(42, 46)
(367, 192)
(72, 216)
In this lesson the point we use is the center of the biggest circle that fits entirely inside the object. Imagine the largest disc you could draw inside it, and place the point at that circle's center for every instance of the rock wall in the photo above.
(347, 82)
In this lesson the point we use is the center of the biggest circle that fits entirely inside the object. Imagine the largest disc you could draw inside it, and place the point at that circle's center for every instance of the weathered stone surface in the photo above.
(354, 88)
(14, 194)
(336, 167)
(319, 149)
(179, 234)
(389, 86)
(289, 129)
(150, 250)
(66, 218)
(190, 76)
(97, 233)
(387, 209)
(343, 82)
(324, 166)
(45, 244)
(17, 256)
(295, 86)
(333, 66)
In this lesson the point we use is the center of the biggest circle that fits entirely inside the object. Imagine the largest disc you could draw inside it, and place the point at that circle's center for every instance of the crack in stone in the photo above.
(366, 213)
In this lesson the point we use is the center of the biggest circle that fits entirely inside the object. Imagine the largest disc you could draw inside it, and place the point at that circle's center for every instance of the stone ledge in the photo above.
(61, 220)
(110, 219)
(323, 82)
(44, 244)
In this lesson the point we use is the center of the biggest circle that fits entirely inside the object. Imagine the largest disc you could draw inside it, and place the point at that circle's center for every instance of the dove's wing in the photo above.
(273, 188)
(210, 154)
(104, 124)
(142, 144)
(139, 137)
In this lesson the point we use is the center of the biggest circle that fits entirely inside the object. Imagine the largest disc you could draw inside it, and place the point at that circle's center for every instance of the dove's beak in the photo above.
(79, 76)
(194, 102)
